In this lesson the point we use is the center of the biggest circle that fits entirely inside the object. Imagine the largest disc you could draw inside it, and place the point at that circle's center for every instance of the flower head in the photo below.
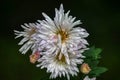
(61, 33)
(58, 66)
(60, 43)
(29, 35)
(64, 44)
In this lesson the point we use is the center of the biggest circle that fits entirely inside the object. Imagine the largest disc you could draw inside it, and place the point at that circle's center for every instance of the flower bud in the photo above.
(34, 57)
(85, 68)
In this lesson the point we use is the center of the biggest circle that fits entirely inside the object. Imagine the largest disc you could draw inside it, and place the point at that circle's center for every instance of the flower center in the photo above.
(31, 31)
(60, 58)
(63, 34)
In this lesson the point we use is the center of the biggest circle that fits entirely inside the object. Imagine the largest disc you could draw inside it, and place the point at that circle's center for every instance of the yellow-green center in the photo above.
(63, 34)
(60, 59)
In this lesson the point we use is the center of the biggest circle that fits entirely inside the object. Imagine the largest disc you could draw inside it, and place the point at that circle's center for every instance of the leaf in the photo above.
(92, 63)
(97, 71)
(93, 53)
(97, 51)
(92, 58)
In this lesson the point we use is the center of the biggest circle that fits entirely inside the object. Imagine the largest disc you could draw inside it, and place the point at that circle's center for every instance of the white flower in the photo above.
(58, 66)
(63, 44)
(87, 78)
(29, 36)
(62, 33)
(60, 43)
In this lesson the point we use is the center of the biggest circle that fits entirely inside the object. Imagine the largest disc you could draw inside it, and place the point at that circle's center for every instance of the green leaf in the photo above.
(93, 53)
(92, 58)
(97, 71)
(97, 51)
(92, 63)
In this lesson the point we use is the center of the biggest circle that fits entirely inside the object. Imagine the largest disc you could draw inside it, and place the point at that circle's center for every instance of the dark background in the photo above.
(101, 18)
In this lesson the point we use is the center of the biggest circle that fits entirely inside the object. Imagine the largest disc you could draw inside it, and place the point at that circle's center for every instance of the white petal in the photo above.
(22, 41)
(76, 23)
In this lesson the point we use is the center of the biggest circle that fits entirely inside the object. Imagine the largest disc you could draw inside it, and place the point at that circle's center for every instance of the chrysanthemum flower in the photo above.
(57, 45)
(59, 66)
(63, 44)
(29, 36)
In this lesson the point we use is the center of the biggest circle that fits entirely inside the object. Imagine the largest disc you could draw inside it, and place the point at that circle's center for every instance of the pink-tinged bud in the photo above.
(85, 68)
(34, 57)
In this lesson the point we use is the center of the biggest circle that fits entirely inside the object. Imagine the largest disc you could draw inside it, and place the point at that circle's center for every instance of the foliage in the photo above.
(92, 59)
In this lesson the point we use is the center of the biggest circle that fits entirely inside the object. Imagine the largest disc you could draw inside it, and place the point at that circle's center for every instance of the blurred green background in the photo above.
(101, 18)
